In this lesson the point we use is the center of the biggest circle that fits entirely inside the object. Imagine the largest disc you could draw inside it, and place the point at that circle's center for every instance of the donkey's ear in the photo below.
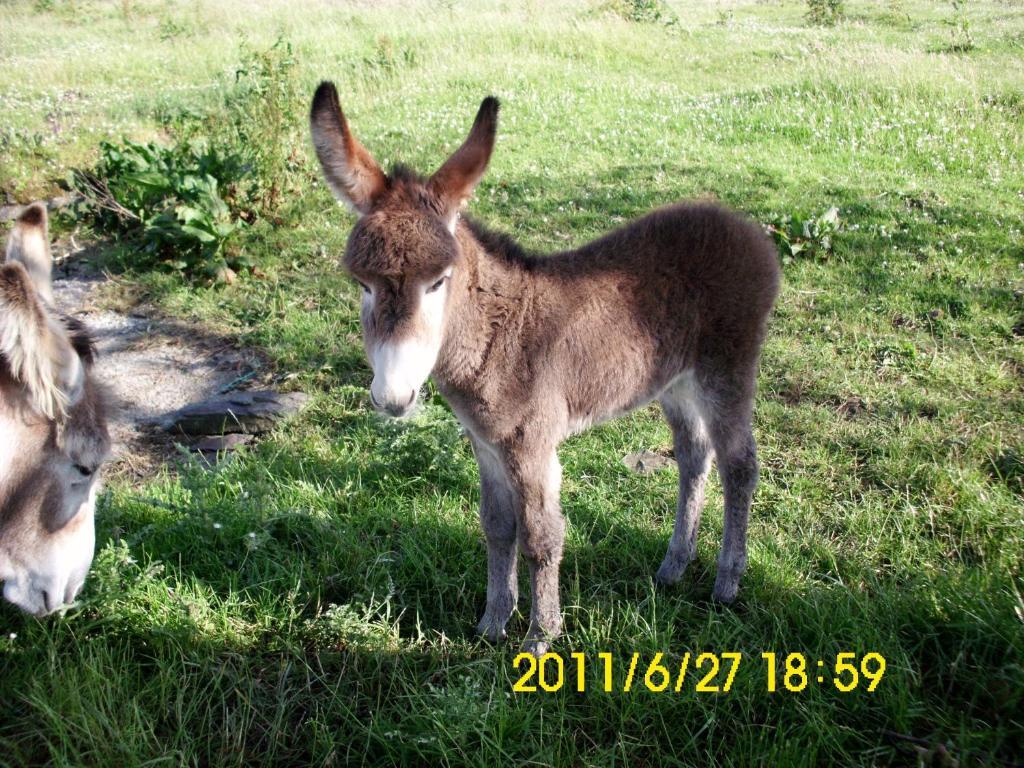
(35, 345)
(29, 244)
(351, 172)
(454, 181)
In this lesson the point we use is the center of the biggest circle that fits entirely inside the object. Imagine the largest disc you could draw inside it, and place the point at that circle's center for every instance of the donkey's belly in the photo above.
(587, 415)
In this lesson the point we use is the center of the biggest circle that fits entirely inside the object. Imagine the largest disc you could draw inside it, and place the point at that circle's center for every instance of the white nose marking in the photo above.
(399, 370)
(395, 406)
(401, 366)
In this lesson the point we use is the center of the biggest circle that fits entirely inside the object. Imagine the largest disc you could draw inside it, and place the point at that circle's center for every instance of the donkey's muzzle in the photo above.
(394, 407)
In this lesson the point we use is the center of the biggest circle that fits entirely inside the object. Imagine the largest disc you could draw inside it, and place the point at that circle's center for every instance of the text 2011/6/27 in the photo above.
(707, 672)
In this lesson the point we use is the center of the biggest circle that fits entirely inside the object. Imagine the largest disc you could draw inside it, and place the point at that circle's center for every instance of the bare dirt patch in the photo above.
(153, 365)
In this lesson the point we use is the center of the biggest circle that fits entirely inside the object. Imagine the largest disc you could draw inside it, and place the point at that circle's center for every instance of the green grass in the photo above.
(313, 602)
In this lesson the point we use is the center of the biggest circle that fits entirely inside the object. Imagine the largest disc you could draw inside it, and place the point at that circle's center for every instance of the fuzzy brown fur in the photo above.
(54, 419)
(672, 307)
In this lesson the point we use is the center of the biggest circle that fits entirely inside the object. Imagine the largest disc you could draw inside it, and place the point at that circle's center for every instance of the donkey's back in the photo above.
(699, 254)
(686, 289)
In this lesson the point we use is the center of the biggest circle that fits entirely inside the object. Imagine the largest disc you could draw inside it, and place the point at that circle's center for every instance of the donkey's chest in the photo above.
(486, 415)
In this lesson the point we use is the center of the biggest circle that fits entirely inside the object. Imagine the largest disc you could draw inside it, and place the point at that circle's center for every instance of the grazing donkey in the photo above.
(53, 422)
(530, 349)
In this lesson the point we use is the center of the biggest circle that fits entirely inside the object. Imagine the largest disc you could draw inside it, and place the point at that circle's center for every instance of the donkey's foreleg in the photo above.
(498, 505)
(693, 455)
(541, 533)
(738, 470)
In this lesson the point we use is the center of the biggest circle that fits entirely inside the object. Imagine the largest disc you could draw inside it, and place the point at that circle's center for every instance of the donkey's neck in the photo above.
(491, 294)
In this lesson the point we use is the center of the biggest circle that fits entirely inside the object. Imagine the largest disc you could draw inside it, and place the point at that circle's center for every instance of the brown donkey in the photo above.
(530, 349)
(53, 431)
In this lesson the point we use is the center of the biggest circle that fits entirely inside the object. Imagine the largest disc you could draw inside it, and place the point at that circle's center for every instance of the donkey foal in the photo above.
(530, 349)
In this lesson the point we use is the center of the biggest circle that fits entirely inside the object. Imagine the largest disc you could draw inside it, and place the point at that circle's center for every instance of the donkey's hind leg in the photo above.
(693, 455)
(498, 512)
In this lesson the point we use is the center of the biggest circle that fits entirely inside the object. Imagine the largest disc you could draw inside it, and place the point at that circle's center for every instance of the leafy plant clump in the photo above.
(261, 119)
(171, 200)
(824, 13)
(643, 11)
(961, 39)
(229, 165)
(811, 236)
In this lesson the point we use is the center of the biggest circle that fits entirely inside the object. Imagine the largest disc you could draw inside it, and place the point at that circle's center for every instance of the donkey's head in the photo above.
(403, 250)
(53, 431)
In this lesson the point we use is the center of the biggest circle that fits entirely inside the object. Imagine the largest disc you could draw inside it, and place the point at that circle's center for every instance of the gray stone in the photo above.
(247, 412)
(11, 212)
(647, 462)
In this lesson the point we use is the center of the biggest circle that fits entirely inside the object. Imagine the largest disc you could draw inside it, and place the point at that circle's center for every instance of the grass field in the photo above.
(313, 602)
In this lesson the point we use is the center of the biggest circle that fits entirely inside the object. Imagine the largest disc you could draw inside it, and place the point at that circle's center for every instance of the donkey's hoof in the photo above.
(670, 571)
(491, 630)
(726, 589)
(536, 647)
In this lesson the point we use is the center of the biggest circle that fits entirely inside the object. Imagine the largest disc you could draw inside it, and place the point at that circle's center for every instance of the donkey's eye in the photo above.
(83, 470)
(364, 286)
(437, 285)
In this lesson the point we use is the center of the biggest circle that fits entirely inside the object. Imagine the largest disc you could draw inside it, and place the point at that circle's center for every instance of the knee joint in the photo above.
(543, 542)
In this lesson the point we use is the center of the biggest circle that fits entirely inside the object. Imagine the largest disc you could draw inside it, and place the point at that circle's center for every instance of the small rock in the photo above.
(11, 212)
(647, 462)
(247, 412)
(851, 407)
(226, 275)
(936, 314)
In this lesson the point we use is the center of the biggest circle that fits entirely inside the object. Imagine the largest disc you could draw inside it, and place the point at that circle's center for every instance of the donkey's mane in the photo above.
(404, 174)
(502, 245)
(80, 338)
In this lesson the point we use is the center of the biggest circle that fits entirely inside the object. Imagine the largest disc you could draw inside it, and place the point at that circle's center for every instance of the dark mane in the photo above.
(403, 173)
(81, 341)
(501, 245)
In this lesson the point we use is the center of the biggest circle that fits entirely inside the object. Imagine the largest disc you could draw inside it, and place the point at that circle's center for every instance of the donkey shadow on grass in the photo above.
(409, 581)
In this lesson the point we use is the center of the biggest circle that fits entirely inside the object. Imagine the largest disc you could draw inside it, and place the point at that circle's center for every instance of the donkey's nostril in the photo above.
(396, 408)
(72, 591)
(391, 404)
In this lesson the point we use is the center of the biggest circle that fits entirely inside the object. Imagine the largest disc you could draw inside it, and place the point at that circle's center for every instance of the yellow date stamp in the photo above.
(707, 672)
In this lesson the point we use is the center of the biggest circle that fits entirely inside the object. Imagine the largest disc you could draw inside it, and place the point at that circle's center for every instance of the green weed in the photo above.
(643, 11)
(810, 236)
(170, 200)
(825, 13)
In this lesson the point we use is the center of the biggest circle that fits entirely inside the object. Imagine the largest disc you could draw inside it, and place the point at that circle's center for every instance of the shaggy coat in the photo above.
(53, 418)
(529, 349)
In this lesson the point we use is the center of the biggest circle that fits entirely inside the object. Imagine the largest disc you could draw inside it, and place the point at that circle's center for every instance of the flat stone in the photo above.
(647, 462)
(236, 412)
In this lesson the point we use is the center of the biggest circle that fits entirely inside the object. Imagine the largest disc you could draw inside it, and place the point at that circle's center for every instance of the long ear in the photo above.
(351, 172)
(35, 345)
(29, 243)
(454, 181)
